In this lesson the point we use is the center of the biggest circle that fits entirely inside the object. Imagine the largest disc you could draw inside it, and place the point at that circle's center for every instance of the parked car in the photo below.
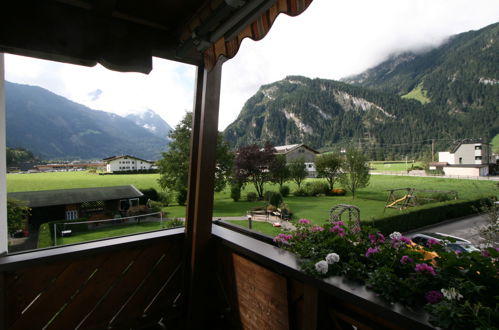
(452, 243)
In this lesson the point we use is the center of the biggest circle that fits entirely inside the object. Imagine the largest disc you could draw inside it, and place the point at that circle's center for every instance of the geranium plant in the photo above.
(460, 291)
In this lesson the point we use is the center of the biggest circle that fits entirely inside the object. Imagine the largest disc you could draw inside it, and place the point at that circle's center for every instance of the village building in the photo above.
(71, 204)
(297, 151)
(126, 163)
(466, 159)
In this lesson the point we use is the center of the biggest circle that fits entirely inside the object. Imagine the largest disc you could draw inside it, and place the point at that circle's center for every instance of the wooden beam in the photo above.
(3, 165)
(200, 196)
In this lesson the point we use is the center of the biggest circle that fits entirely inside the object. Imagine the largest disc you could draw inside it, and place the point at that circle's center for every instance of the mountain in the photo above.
(53, 127)
(396, 108)
(325, 113)
(459, 77)
(151, 121)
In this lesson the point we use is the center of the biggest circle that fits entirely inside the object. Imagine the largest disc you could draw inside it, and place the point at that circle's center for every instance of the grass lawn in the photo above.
(393, 166)
(419, 94)
(370, 200)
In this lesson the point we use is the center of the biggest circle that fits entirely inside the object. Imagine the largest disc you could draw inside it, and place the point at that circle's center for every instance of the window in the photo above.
(478, 157)
(72, 215)
(478, 147)
(460, 160)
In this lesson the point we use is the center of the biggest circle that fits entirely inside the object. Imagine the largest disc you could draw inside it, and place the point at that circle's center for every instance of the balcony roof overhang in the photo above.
(124, 35)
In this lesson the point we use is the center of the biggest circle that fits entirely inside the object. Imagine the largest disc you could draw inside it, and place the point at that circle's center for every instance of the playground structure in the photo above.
(402, 198)
(337, 211)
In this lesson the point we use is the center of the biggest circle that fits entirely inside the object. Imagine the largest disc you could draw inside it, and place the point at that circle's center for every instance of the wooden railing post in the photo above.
(200, 195)
(3, 165)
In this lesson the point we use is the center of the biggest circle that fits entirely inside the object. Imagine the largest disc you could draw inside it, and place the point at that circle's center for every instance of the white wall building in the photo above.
(126, 163)
(297, 151)
(467, 159)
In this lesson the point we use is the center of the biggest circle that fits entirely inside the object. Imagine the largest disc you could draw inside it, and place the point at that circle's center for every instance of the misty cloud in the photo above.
(95, 94)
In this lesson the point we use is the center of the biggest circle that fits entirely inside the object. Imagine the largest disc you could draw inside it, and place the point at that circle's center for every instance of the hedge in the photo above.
(44, 237)
(429, 215)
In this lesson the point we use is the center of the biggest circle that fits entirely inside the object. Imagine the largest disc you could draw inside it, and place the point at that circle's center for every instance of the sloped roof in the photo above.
(290, 147)
(75, 196)
(108, 159)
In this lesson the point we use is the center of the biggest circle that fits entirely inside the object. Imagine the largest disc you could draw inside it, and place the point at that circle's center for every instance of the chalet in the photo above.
(208, 275)
(296, 151)
(126, 163)
(466, 159)
(71, 204)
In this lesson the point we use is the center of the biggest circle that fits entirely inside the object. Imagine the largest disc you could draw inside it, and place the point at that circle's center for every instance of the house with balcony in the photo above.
(466, 159)
(297, 151)
(126, 163)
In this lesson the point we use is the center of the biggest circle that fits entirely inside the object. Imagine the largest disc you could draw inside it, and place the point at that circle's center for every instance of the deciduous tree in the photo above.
(355, 171)
(279, 170)
(298, 171)
(17, 212)
(328, 166)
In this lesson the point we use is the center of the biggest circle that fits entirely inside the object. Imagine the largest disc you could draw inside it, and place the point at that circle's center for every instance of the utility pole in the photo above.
(432, 150)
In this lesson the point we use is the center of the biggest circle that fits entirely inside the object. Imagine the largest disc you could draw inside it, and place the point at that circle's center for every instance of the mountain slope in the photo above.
(460, 76)
(54, 127)
(324, 113)
(151, 121)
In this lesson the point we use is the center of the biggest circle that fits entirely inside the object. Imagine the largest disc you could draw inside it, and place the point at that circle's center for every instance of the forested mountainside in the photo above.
(53, 127)
(151, 121)
(447, 94)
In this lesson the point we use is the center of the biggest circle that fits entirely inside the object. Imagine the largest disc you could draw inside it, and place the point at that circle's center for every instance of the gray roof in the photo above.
(75, 196)
(290, 147)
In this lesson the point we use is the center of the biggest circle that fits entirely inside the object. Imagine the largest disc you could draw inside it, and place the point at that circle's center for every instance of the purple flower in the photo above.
(485, 253)
(338, 230)
(317, 228)
(405, 260)
(304, 221)
(433, 297)
(282, 238)
(424, 268)
(400, 241)
(381, 237)
(432, 242)
(378, 237)
(371, 251)
(339, 223)
(372, 238)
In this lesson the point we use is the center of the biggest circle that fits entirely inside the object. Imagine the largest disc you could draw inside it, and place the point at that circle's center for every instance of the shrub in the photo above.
(316, 188)
(139, 209)
(251, 197)
(338, 192)
(149, 194)
(267, 194)
(300, 192)
(284, 190)
(165, 198)
(275, 199)
(181, 196)
(174, 223)
(155, 206)
(235, 192)
(44, 237)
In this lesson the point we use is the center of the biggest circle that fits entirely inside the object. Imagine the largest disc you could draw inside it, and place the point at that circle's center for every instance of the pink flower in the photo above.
(433, 297)
(378, 237)
(304, 221)
(485, 253)
(371, 251)
(338, 230)
(372, 238)
(282, 238)
(405, 260)
(400, 241)
(317, 228)
(381, 237)
(339, 223)
(424, 268)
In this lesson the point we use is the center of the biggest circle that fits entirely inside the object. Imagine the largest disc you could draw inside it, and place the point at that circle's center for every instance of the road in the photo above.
(467, 228)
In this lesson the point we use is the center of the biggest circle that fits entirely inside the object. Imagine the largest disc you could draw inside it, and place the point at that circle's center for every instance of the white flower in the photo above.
(451, 294)
(331, 258)
(395, 235)
(321, 267)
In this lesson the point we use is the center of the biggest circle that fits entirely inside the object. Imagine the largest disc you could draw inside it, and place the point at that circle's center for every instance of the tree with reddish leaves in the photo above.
(252, 165)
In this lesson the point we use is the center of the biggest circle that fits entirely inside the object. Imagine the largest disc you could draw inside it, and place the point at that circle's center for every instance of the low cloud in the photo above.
(94, 96)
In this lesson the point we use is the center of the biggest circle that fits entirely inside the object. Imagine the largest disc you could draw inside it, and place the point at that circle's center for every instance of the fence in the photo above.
(466, 177)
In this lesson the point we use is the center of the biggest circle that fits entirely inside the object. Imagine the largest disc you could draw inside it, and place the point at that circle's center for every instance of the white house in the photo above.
(466, 159)
(296, 151)
(126, 163)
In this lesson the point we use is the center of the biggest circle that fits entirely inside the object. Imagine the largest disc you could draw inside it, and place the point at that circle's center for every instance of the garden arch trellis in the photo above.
(336, 212)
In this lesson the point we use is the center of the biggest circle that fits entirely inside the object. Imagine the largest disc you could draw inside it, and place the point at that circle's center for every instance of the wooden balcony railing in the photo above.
(132, 282)
(117, 283)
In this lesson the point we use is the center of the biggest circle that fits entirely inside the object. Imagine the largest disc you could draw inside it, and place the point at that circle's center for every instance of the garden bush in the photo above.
(300, 192)
(428, 215)
(181, 196)
(275, 199)
(45, 239)
(155, 206)
(316, 188)
(235, 192)
(149, 194)
(284, 190)
(251, 196)
(165, 198)
(173, 223)
(267, 195)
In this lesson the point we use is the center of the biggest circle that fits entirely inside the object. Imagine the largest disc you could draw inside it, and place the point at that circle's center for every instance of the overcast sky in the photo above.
(332, 39)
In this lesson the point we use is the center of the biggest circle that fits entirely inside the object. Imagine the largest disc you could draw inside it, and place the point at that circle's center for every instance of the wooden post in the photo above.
(200, 196)
(3, 165)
